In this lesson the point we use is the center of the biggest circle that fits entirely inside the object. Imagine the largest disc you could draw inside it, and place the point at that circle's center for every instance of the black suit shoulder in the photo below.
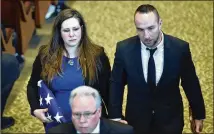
(124, 43)
(175, 39)
(117, 127)
(126, 46)
(175, 42)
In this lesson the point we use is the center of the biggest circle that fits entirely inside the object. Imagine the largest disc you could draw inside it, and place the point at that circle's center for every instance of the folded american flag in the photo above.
(47, 100)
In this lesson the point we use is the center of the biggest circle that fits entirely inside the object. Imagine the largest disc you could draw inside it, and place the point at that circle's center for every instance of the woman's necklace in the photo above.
(71, 62)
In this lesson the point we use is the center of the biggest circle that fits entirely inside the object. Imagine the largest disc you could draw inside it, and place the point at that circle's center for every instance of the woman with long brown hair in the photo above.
(68, 61)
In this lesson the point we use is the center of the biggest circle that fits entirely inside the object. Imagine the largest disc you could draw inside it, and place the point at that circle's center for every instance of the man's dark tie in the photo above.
(151, 78)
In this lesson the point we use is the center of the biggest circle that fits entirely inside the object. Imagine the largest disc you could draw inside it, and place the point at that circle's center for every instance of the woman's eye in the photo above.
(75, 29)
(66, 30)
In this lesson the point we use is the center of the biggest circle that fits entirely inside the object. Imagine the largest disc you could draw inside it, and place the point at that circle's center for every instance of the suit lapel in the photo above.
(166, 64)
(138, 58)
(104, 128)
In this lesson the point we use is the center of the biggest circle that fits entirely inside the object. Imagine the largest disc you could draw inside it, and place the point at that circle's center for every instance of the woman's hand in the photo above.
(40, 114)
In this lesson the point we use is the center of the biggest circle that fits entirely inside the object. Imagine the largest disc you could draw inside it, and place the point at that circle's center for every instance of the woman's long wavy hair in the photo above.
(52, 54)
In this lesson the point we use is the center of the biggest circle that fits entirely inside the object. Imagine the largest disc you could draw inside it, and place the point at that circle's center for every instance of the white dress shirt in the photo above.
(158, 58)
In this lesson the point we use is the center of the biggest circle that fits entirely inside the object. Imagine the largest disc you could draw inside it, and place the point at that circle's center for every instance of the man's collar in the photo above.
(97, 129)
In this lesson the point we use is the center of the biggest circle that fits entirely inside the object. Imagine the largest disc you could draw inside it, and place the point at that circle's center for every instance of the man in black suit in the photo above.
(85, 103)
(152, 65)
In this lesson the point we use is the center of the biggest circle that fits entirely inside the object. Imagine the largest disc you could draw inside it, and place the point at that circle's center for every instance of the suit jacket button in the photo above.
(153, 111)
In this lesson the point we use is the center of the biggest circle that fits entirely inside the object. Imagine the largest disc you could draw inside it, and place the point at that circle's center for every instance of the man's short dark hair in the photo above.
(146, 8)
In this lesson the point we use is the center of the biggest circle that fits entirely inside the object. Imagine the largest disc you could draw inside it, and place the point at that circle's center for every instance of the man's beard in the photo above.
(158, 39)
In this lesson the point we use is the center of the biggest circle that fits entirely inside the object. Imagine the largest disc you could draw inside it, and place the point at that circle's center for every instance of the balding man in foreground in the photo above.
(86, 108)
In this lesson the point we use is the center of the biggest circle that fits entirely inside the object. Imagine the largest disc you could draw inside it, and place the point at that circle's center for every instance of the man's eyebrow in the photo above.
(144, 28)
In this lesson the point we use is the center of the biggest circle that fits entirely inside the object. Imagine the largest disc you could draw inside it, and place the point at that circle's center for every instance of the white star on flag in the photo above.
(40, 100)
(57, 117)
(48, 98)
(49, 117)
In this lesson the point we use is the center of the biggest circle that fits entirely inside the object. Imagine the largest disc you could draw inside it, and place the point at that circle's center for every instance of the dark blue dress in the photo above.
(62, 86)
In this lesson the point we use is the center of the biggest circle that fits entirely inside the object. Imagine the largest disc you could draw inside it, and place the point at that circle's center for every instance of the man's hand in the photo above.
(123, 121)
(119, 120)
(197, 126)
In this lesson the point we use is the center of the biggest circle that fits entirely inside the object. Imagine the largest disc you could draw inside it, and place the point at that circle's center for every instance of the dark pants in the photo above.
(9, 73)
(157, 126)
(5, 92)
(174, 127)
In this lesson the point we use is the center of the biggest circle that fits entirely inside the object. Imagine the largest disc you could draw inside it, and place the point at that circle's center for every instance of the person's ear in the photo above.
(100, 111)
(160, 23)
(81, 27)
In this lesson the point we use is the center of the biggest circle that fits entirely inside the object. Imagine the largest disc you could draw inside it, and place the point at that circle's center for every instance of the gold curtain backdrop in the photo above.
(111, 21)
